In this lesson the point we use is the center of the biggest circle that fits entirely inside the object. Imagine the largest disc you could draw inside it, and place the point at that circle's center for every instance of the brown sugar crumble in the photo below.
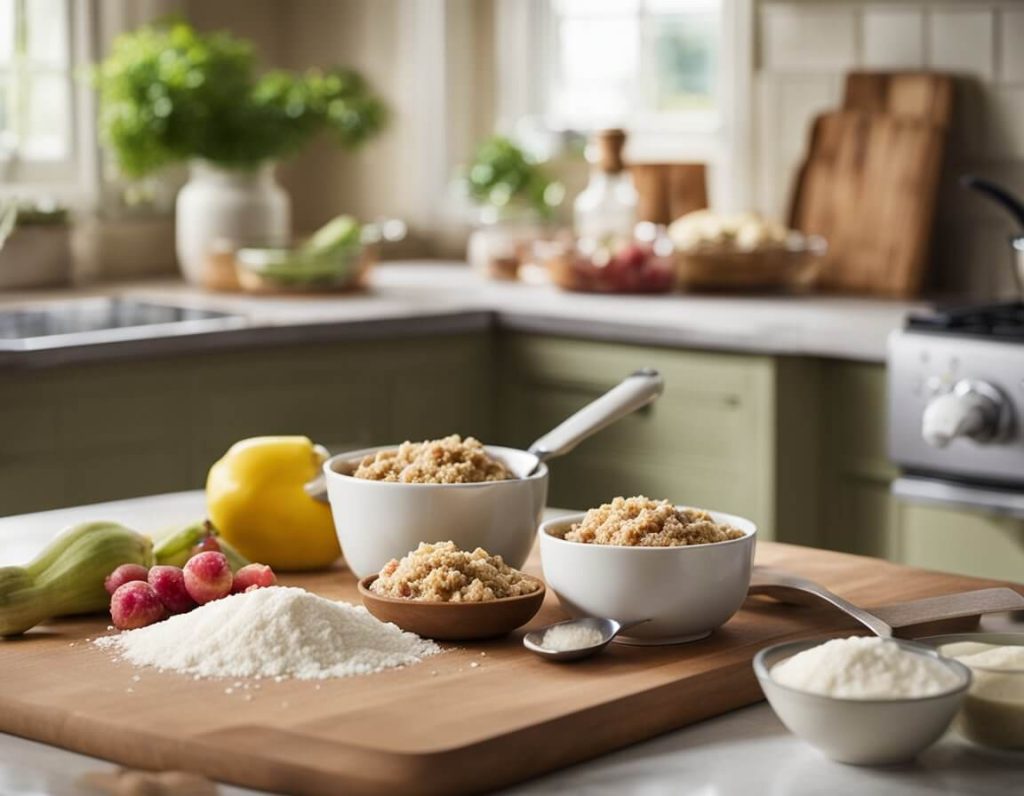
(441, 572)
(643, 522)
(451, 460)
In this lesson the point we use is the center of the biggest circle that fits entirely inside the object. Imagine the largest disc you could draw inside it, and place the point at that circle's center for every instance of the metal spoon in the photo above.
(785, 587)
(632, 393)
(608, 628)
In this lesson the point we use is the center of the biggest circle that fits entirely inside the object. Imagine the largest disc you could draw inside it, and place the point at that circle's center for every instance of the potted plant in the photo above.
(169, 94)
(514, 197)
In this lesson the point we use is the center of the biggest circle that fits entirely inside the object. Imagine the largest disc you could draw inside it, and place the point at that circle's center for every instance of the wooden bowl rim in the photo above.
(364, 591)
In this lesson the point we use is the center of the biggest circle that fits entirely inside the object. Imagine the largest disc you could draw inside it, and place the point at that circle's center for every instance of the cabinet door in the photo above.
(857, 513)
(707, 441)
(965, 542)
(83, 434)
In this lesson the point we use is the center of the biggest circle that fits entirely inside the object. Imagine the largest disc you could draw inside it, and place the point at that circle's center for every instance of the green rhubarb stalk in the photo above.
(176, 547)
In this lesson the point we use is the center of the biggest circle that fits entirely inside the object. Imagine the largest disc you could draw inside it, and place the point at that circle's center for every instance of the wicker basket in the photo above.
(775, 269)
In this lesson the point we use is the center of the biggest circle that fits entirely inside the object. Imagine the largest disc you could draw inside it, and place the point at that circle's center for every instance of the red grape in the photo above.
(208, 577)
(169, 584)
(124, 574)
(135, 604)
(253, 576)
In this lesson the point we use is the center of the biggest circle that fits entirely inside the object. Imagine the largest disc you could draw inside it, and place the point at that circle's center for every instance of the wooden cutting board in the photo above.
(869, 186)
(922, 96)
(477, 717)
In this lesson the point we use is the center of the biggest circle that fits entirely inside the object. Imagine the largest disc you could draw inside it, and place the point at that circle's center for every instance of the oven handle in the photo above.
(916, 489)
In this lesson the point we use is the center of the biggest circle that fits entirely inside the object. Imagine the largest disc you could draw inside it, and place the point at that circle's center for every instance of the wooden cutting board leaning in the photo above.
(869, 182)
(479, 716)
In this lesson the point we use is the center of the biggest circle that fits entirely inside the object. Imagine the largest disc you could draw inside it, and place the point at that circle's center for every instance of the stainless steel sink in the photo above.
(88, 321)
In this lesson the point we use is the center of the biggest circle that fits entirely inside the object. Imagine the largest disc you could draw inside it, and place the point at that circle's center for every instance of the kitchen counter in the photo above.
(747, 751)
(421, 298)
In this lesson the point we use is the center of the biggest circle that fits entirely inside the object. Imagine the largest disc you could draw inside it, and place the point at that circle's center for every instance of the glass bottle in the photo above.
(605, 211)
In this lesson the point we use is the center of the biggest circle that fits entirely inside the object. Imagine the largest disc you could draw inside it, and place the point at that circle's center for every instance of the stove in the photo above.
(956, 405)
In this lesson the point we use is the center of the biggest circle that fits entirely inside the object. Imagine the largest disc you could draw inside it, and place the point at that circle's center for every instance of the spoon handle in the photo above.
(635, 391)
(774, 584)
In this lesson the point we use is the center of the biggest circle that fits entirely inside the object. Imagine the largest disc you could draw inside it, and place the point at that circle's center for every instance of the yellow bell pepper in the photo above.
(256, 501)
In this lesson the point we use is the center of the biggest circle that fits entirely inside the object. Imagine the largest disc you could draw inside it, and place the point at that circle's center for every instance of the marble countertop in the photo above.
(416, 298)
(743, 752)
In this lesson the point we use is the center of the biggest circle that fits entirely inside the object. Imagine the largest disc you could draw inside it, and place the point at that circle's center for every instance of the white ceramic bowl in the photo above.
(861, 731)
(380, 520)
(684, 592)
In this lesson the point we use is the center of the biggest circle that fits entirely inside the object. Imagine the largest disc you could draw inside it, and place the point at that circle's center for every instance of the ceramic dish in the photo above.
(380, 520)
(861, 731)
(993, 712)
(453, 621)
(685, 592)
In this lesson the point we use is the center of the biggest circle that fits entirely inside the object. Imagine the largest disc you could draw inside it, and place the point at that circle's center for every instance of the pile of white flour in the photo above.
(864, 668)
(272, 632)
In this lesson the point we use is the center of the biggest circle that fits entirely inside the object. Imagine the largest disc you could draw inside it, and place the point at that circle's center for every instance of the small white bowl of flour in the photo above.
(863, 700)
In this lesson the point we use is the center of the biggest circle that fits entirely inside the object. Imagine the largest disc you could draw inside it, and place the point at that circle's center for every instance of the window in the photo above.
(42, 145)
(676, 74)
(648, 64)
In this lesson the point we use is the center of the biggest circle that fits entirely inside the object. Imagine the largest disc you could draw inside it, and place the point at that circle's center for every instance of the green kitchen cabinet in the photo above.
(711, 439)
(796, 444)
(86, 433)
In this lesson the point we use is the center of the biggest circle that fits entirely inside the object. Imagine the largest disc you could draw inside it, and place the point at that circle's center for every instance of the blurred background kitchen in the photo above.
(390, 219)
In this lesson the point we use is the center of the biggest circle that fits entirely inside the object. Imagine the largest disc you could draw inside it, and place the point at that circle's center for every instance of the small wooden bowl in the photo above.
(454, 621)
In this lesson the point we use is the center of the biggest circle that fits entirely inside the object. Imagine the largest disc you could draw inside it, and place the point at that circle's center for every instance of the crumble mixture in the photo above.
(441, 572)
(642, 522)
(452, 460)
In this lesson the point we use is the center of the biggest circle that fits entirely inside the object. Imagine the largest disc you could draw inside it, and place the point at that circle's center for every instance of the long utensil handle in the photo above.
(635, 391)
(934, 615)
(873, 623)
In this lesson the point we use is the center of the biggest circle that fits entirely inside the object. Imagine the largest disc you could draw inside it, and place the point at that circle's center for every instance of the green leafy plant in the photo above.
(169, 93)
(501, 174)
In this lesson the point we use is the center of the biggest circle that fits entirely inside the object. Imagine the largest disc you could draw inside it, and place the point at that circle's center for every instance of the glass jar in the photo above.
(503, 241)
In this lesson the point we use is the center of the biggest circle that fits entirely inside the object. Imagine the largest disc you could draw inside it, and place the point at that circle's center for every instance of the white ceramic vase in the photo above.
(220, 209)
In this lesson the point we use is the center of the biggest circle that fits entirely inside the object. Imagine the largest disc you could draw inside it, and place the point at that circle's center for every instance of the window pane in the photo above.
(684, 62)
(47, 131)
(47, 31)
(597, 81)
(596, 8)
(678, 6)
(6, 30)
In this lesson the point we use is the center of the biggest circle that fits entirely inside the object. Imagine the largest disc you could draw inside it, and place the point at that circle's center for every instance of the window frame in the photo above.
(74, 179)
(523, 61)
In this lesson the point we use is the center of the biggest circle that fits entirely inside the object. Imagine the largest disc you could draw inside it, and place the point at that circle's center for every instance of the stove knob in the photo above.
(975, 410)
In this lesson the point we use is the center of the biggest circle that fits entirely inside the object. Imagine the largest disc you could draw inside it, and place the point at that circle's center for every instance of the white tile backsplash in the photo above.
(799, 37)
(893, 37)
(806, 48)
(962, 41)
(1011, 46)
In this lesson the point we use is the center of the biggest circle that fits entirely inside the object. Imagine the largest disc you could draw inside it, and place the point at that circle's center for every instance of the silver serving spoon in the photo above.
(608, 628)
(794, 589)
(632, 393)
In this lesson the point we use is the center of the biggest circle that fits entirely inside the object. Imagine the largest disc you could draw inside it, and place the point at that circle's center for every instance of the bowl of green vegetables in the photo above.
(337, 257)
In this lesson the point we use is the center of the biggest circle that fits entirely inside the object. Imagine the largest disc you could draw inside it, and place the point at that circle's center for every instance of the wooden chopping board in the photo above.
(869, 186)
(443, 726)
